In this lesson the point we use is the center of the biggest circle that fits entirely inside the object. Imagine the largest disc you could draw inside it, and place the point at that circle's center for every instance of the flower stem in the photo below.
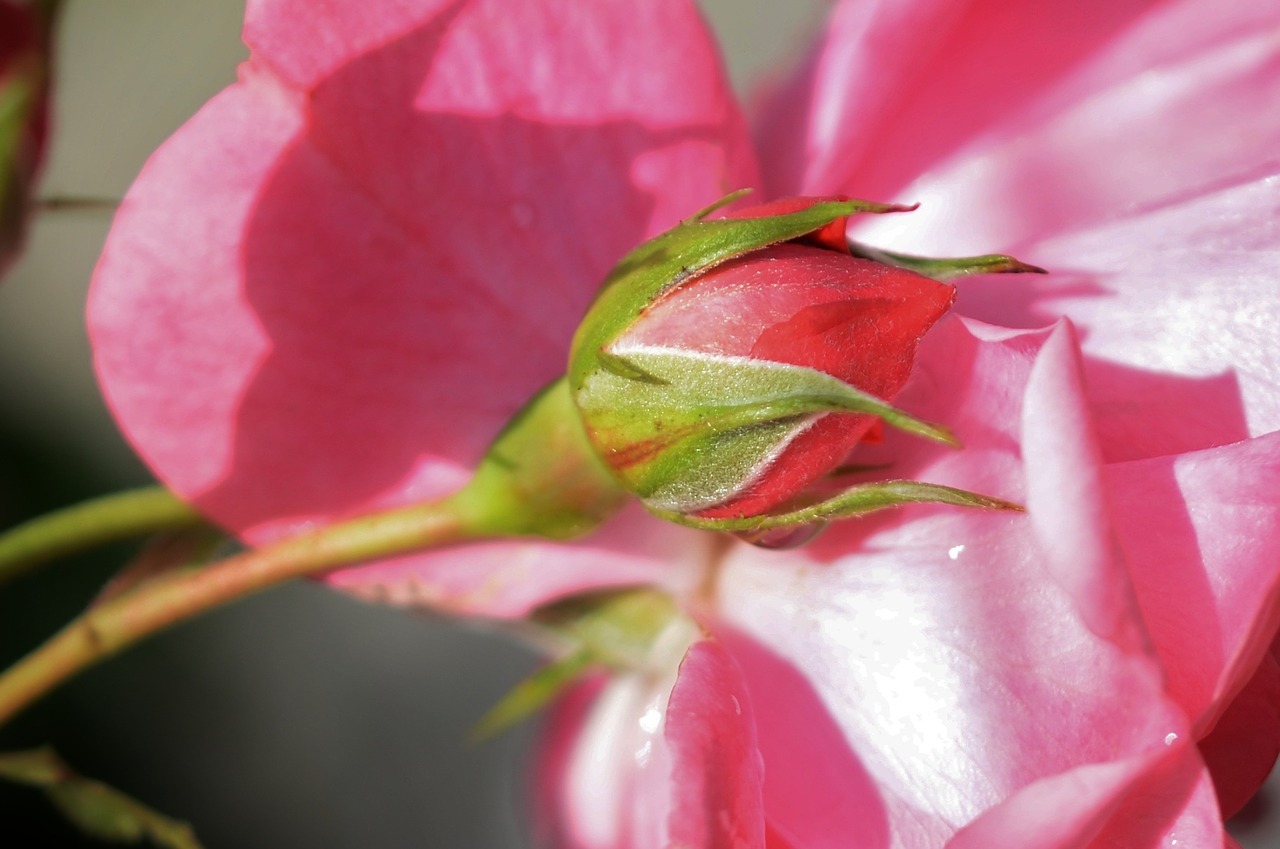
(539, 478)
(112, 517)
(172, 597)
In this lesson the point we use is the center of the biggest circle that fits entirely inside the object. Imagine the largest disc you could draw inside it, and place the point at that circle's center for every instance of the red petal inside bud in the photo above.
(857, 320)
(18, 33)
(832, 237)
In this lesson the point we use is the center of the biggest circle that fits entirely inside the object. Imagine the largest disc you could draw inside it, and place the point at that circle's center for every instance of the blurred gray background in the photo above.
(299, 717)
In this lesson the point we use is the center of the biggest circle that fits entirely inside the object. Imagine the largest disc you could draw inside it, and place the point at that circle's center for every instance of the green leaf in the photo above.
(531, 695)
(855, 501)
(944, 269)
(96, 809)
(612, 629)
(616, 627)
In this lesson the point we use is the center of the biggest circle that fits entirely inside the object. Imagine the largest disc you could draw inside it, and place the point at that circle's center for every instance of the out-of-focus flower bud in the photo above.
(729, 365)
(24, 80)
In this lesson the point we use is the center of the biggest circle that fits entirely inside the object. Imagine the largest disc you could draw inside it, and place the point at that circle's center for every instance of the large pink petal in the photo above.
(1157, 799)
(1178, 308)
(1201, 534)
(1241, 749)
(512, 577)
(816, 126)
(654, 758)
(965, 656)
(1040, 116)
(817, 794)
(1128, 147)
(330, 288)
(553, 820)
(716, 767)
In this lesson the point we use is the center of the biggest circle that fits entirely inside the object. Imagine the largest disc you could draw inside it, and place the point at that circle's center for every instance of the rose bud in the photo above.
(729, 365)
(25, 30)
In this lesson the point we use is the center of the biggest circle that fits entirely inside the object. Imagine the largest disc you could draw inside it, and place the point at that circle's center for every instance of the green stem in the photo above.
(539, 478)
(107, 519)
(167, 599)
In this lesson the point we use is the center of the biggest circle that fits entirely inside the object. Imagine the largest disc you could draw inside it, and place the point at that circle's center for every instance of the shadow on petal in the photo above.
(817, 793)
(418, 275)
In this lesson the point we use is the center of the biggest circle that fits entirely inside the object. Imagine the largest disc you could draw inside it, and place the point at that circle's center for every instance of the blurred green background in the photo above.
(298, 717)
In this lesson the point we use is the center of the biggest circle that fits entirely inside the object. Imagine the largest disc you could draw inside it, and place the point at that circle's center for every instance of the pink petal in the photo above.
(716, 770)
(816, 126)
(1199, 532)
(654, 758)
(1241, 749)
(603, 770)
(963, 656)
(816, 791)
(512, 577)
(1128, 147)
(549, 804)
(328, 290)
(1050, 115)
(1178, 308)
(1159, 799)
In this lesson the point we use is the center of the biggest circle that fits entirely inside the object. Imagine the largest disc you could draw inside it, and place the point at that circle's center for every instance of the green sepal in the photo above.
(540, 476)
(531, 695)
(689, 248)
(96, 809)
(855, 501)
(615, 629)
(628, 369)
(658, 413)
(944, 269)
(716, 206)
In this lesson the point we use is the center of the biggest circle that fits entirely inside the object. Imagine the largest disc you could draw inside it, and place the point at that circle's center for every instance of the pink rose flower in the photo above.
(936, 677)
(1129, 147)
(327, 292)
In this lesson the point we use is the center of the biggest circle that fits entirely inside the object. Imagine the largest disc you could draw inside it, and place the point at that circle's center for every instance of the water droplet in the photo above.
(737, 705)
(1170, 738)
(643, 753)
(651, 720)
(781, 538)
(954, 551)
